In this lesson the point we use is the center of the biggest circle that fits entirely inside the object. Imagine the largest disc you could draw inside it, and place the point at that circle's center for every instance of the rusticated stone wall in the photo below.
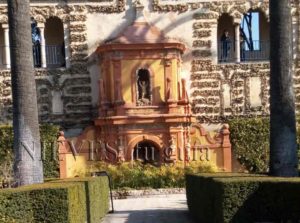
(69, 88)
(217, 91)
(221, 91)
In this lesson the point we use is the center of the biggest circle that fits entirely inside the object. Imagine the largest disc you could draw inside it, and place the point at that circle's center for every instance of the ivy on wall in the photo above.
(49, 151)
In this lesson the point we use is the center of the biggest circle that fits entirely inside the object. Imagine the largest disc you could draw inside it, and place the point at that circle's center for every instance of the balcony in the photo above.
(227, 52)
(55, 57)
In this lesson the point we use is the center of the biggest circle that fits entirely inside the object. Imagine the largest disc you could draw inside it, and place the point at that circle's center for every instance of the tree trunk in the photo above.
(28, 168)
(283, 146)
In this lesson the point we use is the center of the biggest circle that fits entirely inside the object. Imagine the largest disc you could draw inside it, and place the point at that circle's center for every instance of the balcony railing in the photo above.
(227, 52)
(55, 56)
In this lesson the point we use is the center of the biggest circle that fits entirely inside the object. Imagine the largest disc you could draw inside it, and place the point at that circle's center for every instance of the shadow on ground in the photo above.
(150, 216)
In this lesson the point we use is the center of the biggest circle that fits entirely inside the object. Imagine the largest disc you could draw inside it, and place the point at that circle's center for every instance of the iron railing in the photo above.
(259, 51)
(55, 56)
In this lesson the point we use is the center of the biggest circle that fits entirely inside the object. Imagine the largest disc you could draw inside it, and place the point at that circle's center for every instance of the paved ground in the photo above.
(155, 209)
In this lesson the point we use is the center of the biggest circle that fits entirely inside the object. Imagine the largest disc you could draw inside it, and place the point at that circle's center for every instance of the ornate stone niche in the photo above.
(141, 86)
(144, 109)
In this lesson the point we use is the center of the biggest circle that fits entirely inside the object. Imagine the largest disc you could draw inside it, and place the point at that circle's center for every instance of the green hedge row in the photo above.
(68, 201)
(49, 147)
(249, 138)
(243, 198)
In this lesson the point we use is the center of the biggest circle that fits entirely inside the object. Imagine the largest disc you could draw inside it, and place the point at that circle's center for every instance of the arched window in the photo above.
(143, 86)
(254, 36)
(55, 47)
(225, 38)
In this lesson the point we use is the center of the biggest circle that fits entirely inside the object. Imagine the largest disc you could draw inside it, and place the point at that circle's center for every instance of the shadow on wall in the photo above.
(157, 95)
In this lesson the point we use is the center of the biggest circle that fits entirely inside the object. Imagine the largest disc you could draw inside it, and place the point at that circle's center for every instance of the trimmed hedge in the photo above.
(68, 201)
(96, 189)
(238, 198)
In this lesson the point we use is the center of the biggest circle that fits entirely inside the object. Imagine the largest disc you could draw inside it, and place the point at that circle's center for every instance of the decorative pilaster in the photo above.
(62, 151)
(226, 146)
(168, 78)
(6, 46)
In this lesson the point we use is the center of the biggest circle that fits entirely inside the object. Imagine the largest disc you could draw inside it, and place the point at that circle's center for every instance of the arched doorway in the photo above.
(147, 152)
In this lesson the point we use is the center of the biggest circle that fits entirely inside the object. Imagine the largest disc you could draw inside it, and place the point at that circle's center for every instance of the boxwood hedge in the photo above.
(69, 201)
(243, 198)
(97, 191)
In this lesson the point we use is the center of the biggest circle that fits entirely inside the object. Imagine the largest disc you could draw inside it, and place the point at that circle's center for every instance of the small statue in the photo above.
(143, 86)
(172, 146)
(103, 153)
(121, 157)
(188, 151)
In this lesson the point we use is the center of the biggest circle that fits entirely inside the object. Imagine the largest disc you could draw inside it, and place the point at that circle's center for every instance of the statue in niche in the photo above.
(143, 88)
(172, 145)
(143, 85)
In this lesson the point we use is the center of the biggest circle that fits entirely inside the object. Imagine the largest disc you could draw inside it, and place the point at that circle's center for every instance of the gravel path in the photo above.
(170, 208)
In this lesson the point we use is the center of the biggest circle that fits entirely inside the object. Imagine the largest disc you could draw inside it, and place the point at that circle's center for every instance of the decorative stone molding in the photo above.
(201, 53)
(202, 43)
(3, 19)
(234, 8)
(203, 25)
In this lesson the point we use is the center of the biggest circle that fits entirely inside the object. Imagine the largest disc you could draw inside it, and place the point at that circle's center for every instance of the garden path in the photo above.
(169, 208)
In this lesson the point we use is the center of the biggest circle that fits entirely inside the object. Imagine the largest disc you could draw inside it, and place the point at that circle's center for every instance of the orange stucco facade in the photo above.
(144, 103)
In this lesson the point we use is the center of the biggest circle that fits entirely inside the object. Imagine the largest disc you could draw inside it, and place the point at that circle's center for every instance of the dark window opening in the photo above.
(55, 46)
(36, 43)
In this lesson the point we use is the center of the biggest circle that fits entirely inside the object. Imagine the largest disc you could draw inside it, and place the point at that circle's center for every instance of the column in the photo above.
(6, 46)
(41, 26)
(67, 45)
(237, 43)
(214, 42)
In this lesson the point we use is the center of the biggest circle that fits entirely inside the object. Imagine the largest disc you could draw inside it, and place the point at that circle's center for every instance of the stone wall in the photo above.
(64, 94)
(217, 91)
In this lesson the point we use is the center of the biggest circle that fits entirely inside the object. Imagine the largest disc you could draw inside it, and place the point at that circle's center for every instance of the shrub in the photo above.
(48, 139)
(243, 198)
(6, 153)
(69, 201)
(50, 150)
(249, 138)
(136, 175)
(250, 142)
